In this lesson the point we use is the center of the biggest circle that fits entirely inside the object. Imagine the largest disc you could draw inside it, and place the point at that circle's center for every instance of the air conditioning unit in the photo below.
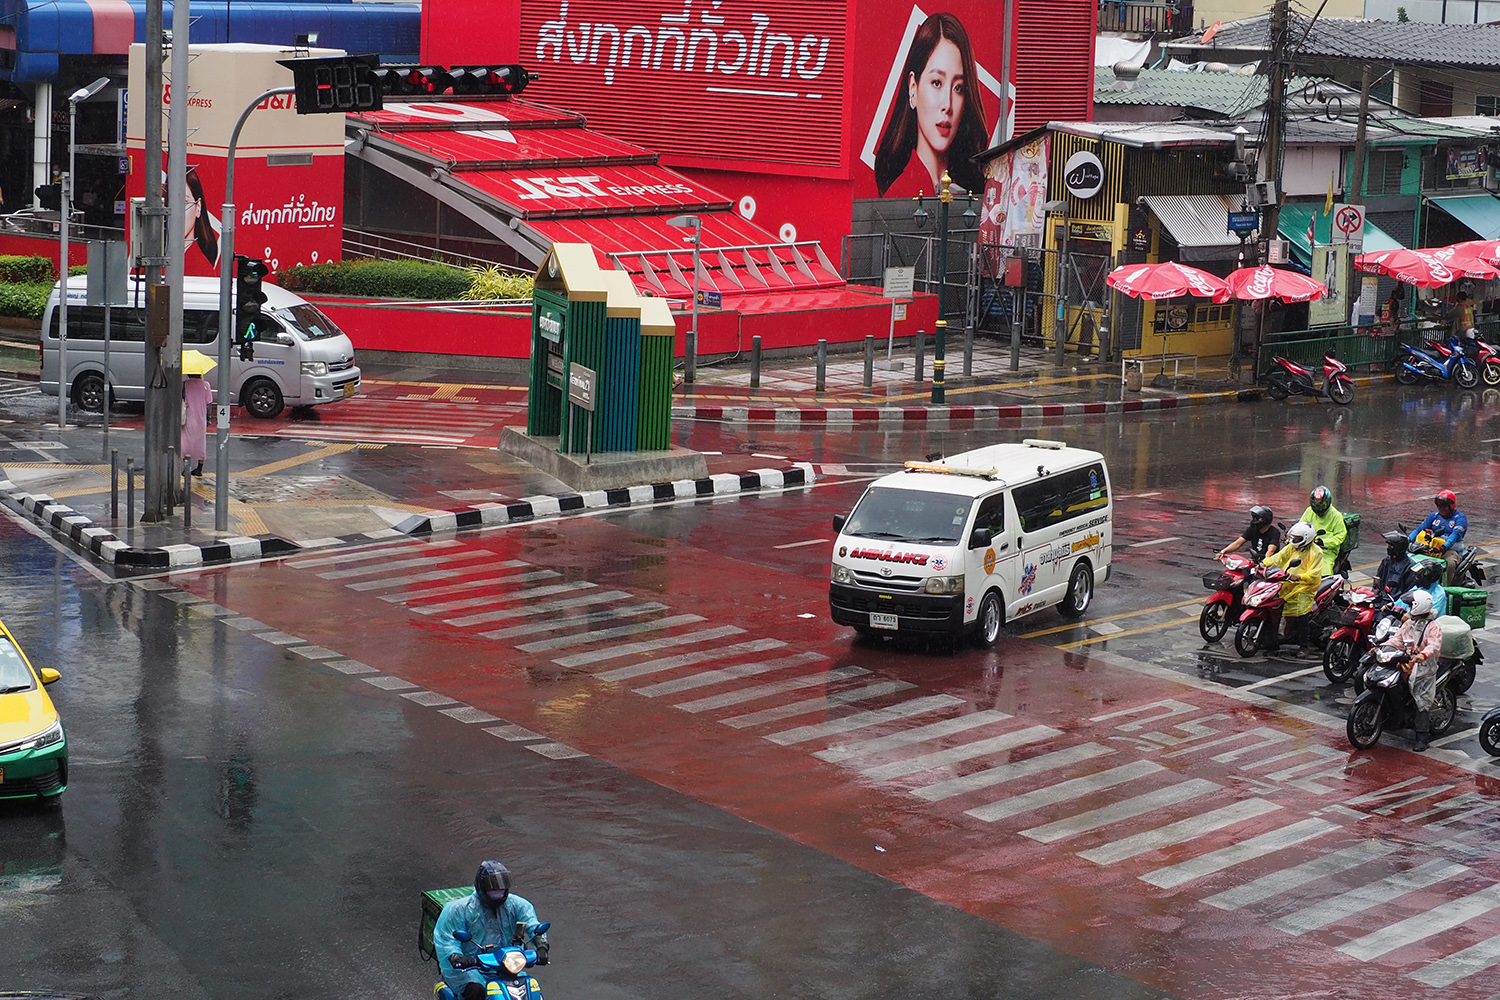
(1261, 194)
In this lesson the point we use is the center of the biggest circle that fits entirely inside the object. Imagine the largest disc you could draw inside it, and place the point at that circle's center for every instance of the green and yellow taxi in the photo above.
(33, 747)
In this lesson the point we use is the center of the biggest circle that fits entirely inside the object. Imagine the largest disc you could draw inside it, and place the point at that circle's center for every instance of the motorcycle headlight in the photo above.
(944, 585)
(315, 368)
(843, 574)
(53, 734)
(514, 962)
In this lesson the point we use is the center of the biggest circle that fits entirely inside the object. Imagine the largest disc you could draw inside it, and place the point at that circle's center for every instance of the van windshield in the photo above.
(308, 321)
(909, 516)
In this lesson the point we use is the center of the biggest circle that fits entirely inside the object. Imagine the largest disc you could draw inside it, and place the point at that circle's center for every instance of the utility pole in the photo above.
(1356, 193)
(1275, 119)
(152, 262)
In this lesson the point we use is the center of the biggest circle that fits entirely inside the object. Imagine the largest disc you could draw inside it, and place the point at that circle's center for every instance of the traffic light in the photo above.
(396, 81)
(248, 298)
(335, 85)
(49, 196)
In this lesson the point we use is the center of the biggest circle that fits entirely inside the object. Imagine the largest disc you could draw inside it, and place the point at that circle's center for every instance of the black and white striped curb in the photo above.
(67, 523)
(726, 484)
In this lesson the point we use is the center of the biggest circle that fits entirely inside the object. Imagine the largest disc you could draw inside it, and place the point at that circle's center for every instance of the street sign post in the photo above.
(1349, 225)
(581, 395)
(1244, 222)
(711, 299)
(898, 284)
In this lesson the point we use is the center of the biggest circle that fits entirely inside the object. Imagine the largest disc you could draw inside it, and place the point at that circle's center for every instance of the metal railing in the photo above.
(1143, 18)
(865, 256)
(1357, 347)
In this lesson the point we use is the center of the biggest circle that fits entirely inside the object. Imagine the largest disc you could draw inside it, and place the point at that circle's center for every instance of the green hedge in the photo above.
(404, 279)
(24, 300)
(21, 270)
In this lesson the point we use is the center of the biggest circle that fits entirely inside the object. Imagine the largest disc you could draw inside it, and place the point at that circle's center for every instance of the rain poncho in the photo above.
(486, 929)
(1426, 638)
(1333, 531)
(1301, 581)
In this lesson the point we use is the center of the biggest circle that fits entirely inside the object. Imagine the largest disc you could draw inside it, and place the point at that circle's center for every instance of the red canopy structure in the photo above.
(1423, 268)
(1470, 251)
(1273, 283)
(1167, 280)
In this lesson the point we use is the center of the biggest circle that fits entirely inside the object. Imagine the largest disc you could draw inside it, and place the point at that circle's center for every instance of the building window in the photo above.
(1384, 174)
(1436, 99)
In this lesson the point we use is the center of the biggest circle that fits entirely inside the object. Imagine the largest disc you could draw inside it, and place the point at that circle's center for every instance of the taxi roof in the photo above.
(1010, 464)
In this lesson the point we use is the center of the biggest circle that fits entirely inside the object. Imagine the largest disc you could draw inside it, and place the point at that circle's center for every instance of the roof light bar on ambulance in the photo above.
(951, 470)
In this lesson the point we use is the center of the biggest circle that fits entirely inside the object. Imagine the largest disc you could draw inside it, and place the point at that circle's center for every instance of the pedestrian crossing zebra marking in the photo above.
(1368, 896)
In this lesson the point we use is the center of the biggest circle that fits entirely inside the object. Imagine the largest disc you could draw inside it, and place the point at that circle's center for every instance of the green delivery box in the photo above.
(432, 907)
(1469, 604)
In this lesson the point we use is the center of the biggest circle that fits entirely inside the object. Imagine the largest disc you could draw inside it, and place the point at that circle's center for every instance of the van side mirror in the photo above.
(839, 520)
(980, 538)
(286, 339)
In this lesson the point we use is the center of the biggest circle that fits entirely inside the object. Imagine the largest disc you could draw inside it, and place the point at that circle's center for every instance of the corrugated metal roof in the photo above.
(1292, 222)
(1225, 93)
(1149, 135)
(1412, 43)
(1198, 222)
(1480, 212)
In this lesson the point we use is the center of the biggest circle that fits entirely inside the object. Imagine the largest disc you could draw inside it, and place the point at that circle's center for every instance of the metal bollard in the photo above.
(171, 486)
(822, 365)
(755, 362)
(130, 493)
(187, 494)
(690, 356)
(969, 351)
(940, 362)
(114, 485)
(869, 361)
(921, 354)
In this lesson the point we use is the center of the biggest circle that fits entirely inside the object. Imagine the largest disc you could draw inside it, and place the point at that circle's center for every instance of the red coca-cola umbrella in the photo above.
(1273, 283)
(1484, 251)
(1423, 268)
(1167, 280)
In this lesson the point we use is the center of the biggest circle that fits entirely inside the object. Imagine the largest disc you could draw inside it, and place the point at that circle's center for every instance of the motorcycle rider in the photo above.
(1262, 535)
(1428, 579)
(1421, 636)
(1397, 573)
(1328, 523)
(490, 915)
(1302, 580)
(1447, 526)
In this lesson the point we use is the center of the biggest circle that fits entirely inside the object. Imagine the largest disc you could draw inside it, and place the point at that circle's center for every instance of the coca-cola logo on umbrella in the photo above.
(1083, 175)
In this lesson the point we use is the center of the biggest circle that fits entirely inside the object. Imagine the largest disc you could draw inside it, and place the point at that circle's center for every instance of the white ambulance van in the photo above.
(966, 544)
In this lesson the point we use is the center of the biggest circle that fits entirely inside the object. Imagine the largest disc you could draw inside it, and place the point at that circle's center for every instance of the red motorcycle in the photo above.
(1228, 586)
(1260, 622)
(1487, 357)
(1291, 379)
(1352, 634)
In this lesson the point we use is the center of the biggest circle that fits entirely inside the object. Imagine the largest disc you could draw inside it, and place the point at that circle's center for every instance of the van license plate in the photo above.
(883, 621)
(351, 389)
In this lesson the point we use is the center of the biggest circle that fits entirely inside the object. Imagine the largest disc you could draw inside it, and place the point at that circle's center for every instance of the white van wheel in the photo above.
(262, 398)
(991, 617)
(88, 392)
(1080, 591)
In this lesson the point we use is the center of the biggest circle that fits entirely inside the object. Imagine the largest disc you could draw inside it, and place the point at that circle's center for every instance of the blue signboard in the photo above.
(712, 300)
(1244, 222)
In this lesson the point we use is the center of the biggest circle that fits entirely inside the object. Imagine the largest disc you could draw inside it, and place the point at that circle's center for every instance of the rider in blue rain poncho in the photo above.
(490, 916)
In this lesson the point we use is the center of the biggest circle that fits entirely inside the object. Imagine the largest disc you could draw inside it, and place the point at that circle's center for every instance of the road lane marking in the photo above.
(1064, 791)
(863, 720)
(1297, 876)
(401, 581)
(494, 596)
(960, 753)
(779, 458)
(940, 790)
(759, 691)
(422, 593)
(484, 617)
(349, 574)
(303, 459)
(1109, 618)
(1423, 925)
(546, 607)
(1447, 971)
(1118, 812)
(382, 551)
(571, 621)
(428, 699)
(1129, 632)
(1236, 854)
(920, 734)
(810, 541)
(1382, 458)
(1154, 541)
(651, 645)
(681, 660)
(1372, 894)
(1455, 737)
(710, 677)
(807, 705)
(1277, 475)
(619, 632)
(1283, 677)
(1178, 833)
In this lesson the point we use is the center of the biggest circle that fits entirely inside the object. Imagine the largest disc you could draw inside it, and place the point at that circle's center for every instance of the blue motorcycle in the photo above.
(1437, 363)
(505, 969)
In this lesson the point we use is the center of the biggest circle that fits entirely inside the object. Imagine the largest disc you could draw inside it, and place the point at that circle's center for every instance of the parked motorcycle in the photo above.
(1387, 702)
(1436, 364)
(1489, 363)
(1291, 379)
(505, 968)
(1225, 605)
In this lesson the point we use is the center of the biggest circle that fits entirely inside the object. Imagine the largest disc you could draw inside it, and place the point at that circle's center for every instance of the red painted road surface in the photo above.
(1206, 842)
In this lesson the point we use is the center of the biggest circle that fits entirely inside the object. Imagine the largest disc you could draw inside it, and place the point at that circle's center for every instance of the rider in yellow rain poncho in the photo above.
(1302, 580)
(1328, 519)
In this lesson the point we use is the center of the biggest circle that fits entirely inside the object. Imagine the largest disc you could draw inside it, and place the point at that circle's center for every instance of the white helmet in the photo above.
(1421, 604)
(1301, 535)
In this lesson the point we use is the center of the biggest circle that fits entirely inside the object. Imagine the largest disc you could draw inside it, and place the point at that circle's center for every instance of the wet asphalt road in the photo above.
(256, 823)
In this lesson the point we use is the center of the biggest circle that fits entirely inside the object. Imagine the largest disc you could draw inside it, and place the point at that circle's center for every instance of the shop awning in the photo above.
(1293, 225)
(1480, 212)
(1199, 223)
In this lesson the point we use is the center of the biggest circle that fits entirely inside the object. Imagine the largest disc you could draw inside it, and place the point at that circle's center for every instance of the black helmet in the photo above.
(1260, 515)
(1396, 544)
(1320, 499)
(492, 884)
(1429, 573)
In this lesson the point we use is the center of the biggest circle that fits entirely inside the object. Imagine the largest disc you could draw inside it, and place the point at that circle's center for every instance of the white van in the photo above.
(301, 358)
(966, 544)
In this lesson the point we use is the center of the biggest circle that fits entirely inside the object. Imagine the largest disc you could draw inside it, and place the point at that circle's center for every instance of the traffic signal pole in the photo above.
(227, 324)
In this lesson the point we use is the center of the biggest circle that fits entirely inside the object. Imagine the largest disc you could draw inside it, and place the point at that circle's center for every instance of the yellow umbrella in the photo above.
(197, 363)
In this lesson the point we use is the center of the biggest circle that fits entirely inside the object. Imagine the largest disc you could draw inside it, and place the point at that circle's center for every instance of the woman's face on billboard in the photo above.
(193, 208)
(938, 96)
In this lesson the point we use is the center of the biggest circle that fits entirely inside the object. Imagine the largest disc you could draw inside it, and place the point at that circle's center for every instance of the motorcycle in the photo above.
(1485, 354)
(504, 967)
(1352, 632)
(1294, 380)
(1224, 606)
(1436, 364)
(1462, 669)
(1489, 732)
(1467, 573)
(1387, 701)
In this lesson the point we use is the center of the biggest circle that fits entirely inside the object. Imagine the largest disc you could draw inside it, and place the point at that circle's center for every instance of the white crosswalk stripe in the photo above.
(486, 617)
(1002, 773)
(495, 596)
(1118, 812)
(921, 734)
(1367, 896)
(759, 691)
(1178, 833)
(1423, 925)
(682, 660)
(960, 753)
(1461, 964)
(808, 705)
(552, 624)
(1236, 854)
(425, 593)
(600, 635)
(736, 672)
(649, 645)
(401, 581)
(374, 552)
(447, 558)
(1278, 882)
(1065, 791)
(863, 720)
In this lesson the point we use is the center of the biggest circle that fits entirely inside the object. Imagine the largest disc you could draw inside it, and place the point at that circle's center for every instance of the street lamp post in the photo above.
(66, 204)
(1060, 325)
(690, 348)
(940, 335)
